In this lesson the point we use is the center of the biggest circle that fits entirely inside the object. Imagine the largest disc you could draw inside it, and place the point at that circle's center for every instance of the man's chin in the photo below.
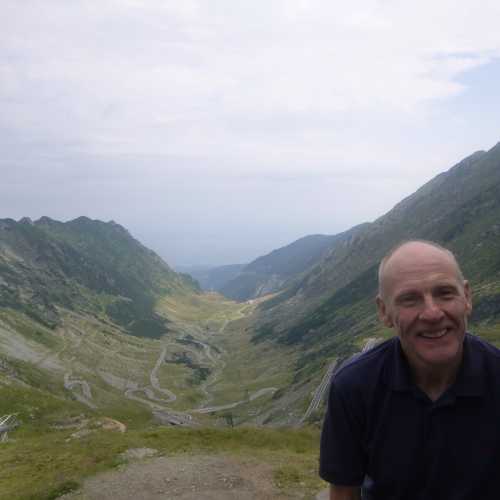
(441, 356)
(441, 351)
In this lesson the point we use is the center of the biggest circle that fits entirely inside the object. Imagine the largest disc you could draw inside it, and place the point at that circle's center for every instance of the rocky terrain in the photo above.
(189, 477)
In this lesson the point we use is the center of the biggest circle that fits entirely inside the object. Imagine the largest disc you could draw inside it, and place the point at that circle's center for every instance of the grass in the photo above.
(61, 489)
(249, 366)
(29, 329)
(208, 313)
(490, 333)
(222, 324)
(208, 309)
(55, 464)
(297, 476)
(100, 346)
(34, 407)
(174, 376)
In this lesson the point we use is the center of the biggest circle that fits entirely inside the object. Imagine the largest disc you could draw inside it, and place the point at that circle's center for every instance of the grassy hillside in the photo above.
(60, 443)
(62, 440)
(84, 265)
(330, 312)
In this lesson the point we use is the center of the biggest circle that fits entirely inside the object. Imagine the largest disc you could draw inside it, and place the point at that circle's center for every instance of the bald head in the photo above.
(409, 253)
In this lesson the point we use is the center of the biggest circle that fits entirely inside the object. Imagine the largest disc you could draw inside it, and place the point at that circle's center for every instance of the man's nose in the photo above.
(431, 311)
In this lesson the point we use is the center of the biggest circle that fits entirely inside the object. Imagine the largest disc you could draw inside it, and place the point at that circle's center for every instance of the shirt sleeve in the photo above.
(342, 459)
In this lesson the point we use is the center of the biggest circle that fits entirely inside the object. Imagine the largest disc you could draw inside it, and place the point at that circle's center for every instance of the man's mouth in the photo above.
(434, 335)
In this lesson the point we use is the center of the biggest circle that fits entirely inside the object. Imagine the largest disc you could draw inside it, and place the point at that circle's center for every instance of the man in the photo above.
(417, 417)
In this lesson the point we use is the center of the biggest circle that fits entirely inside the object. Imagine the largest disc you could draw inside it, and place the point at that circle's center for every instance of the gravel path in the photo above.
(185, 477)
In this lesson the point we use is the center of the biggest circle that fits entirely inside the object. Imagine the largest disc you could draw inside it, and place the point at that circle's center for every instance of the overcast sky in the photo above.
(218, 130)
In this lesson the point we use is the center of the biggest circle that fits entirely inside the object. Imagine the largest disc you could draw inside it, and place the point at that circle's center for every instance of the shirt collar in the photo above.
(470, 377)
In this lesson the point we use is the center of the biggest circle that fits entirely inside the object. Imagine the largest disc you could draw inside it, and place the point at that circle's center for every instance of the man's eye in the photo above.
(446, 293)
(408, 300)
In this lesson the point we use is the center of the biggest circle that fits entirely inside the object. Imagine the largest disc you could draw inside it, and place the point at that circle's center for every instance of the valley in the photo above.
(67, 384)
(105, 349)
(101, 365)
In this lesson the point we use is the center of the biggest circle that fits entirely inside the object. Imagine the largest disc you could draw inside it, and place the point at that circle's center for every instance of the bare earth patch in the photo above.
(186, 477)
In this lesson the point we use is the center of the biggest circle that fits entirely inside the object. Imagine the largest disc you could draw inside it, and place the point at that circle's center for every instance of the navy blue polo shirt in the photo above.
(382, 431)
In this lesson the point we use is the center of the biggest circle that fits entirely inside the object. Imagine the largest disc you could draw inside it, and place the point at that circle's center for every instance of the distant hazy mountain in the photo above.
(274, 271)
(212, 278)
(331, 308)
(83, 265)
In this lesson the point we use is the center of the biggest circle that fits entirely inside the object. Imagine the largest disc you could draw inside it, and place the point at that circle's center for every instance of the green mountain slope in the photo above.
(331, 310)
(71, 294)
(83, 265)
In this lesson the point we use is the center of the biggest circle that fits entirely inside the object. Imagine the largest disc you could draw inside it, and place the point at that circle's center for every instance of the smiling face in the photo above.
(423, 297)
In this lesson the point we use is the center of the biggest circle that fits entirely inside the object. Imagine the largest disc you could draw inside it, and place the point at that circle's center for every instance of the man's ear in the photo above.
(468, 297)
(383, 313)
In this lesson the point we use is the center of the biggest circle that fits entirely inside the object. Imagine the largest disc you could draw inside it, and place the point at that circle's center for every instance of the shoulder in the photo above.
(483, 347)
(484, 354)
(367, 368)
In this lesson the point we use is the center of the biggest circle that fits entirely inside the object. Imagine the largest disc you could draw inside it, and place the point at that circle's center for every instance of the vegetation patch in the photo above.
(61, 489)
(56, 463)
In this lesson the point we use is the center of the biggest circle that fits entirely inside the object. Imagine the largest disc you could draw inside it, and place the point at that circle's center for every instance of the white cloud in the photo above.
(257, 57)
(262, 89)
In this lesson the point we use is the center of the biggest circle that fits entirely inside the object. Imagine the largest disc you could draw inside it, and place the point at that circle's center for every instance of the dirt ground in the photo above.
(186, 477)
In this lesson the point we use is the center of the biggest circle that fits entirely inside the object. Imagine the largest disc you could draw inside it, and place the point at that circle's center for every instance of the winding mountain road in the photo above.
(153, 377)
(154, 395)
(85, 396)
(319, 392)
(323, 386)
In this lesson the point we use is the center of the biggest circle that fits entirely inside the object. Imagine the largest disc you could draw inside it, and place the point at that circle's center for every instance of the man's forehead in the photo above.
(419, 252)
(416, 257)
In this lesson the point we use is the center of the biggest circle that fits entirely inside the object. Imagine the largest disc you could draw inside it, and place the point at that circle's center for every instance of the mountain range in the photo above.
(84, 302)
